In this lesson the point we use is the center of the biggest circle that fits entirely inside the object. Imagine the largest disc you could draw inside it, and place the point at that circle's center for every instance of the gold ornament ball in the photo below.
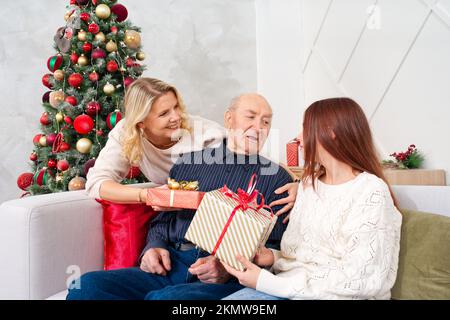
(77, 183)
(84, 145)
(111, 46)
(82, 35)
(59, 117)
(55, 98)
(100, 37)
(83, 60)
(132, 39)
(58, 75)
(140, 56)
(102, 11)
(43, 141)
(109, 89)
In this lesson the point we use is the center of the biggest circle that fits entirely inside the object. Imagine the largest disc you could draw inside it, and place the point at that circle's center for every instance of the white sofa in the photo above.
(47, 240)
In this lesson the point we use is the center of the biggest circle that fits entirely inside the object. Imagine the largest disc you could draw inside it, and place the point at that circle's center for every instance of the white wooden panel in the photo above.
(312, 17)
(341, 31)
(319, 83)
(381, 51)
(417, 107)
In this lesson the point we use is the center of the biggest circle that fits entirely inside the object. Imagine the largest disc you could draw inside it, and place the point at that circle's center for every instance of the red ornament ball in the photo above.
(51, 139)
(93, 28)
(63, 165)
(98, 54)
(114, 29)
(72, 2)
(127, 81)
(129, 62)
(25, 180)
(71, 100)
(51, 163)
(93, 76)
(46, 97)
(120, 11)
(112, 66)
(113, 118)
(64, 147)
(37, 138)
(46, 80)
(93, 108)
(85, 16)
(45, 120)
(54, 63)
(87, 47)
(33, 156)
(83, 124)
(88, 165)
(133, 172)
(75, 80)
(99, 132)
(74, 58)
(82, 2)
(68, 120)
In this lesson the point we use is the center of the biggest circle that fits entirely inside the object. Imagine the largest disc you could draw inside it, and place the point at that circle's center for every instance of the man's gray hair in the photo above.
(235, 101)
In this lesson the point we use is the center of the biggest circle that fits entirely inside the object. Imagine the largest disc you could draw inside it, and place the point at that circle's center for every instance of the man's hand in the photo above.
(209, 270)
(156, 260)
(291, 189)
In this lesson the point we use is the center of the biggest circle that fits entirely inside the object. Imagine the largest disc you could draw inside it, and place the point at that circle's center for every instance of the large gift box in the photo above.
(181, 195)
(228, 223)
(293, 153)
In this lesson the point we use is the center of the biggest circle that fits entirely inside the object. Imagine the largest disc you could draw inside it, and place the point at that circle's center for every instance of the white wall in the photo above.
(395, 62)
(279, 48)
(206, 48)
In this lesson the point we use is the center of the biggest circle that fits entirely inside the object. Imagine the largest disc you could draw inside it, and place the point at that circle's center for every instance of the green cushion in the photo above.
(424, 264)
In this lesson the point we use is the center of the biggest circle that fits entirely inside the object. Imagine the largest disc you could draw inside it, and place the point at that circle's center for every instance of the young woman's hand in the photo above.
(248, 277)
(291, 189)
(264, 257)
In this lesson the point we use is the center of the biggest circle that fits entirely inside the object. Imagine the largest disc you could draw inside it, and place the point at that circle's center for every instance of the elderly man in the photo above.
(171, 267)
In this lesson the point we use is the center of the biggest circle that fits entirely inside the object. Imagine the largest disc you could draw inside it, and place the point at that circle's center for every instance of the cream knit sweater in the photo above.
(342, 242)
(156, 163)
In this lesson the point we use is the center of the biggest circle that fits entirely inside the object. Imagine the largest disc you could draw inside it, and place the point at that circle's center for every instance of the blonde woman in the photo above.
(156, 129)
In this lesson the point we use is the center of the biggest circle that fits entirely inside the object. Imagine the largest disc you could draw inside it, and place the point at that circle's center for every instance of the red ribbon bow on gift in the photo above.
(246, 200)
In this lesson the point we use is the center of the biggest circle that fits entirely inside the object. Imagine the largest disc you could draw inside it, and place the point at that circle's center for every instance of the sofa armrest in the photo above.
(48, 240)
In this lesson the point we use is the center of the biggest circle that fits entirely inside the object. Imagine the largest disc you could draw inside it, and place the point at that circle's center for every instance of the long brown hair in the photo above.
(341, 127)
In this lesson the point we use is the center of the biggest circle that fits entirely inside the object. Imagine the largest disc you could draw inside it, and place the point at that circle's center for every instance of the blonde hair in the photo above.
(139, 98)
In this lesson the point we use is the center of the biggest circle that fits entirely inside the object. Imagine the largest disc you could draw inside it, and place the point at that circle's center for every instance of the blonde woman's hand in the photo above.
(248, 277)
(291, 189)
(264, 257)
(157, 208)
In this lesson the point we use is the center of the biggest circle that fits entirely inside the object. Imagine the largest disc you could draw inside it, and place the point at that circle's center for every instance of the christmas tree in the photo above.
(96, 59)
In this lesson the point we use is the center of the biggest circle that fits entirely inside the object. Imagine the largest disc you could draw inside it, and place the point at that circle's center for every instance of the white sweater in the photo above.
(342, 242)
(156, 163)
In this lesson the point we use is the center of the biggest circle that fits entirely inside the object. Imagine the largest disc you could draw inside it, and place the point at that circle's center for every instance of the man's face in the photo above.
(248, 124)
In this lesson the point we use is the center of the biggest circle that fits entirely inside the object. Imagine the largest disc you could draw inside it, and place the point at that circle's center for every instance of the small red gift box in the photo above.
(292, 153)
(180, 199)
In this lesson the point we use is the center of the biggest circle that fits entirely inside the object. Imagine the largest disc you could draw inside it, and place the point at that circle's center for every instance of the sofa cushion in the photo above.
(125, 229)
(424, 264)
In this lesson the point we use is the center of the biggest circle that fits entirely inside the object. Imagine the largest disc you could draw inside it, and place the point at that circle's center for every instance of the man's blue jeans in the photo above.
(135, 284)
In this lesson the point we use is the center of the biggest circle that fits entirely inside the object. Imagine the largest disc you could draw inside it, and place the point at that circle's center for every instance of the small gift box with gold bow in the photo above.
(181, 195)
(228, 223)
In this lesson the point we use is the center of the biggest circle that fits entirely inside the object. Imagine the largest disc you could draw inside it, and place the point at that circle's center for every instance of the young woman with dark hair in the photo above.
(343, 238)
